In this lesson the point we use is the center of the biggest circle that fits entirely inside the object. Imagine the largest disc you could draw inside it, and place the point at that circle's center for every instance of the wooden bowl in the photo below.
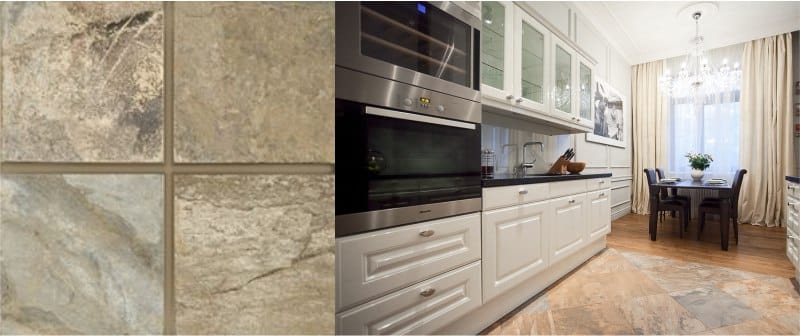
(576, 167)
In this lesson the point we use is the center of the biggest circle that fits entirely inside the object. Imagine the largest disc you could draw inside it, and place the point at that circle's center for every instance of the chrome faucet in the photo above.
(523, 167)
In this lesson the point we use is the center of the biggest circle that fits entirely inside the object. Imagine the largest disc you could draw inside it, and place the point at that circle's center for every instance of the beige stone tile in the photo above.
(679, 276)
(594, 319)
(714, 307)
(81, 254)
(606, 262)
(254, 82)
(763, 296)
(661, 315)
(753, 327)
(539, 304)
(539, 323)
(789, 321)
(643, 261)
(581, 288)
(82, 81)
(254, 254)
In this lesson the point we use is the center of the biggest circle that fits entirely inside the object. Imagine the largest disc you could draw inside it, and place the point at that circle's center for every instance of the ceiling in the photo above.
(645, 31)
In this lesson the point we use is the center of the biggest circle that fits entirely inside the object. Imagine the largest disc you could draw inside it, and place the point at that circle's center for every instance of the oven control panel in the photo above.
(423, 103)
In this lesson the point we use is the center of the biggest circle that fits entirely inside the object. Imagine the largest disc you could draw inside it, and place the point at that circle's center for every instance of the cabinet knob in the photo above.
(523, 192)
(572, 201)
(791, 204)
(601, 182)
(509, 97)
(426, 233)
(519, 100)
(790, 187)
(427, 292)
(602, 194)
(791, 236)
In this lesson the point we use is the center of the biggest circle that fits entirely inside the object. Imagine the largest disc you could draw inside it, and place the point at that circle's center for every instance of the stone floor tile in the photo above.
(254, 82)
(254, 254)
(679, 276)
(643, 261)
(753, 327)
(714, 307)
(82, 81)
(763, 296)
(606, 262)
(581, 288)
(594, 319)
(660, 315)
(81, 254)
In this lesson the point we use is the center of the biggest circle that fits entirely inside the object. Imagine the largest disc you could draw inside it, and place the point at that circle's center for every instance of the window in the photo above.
(705, 125)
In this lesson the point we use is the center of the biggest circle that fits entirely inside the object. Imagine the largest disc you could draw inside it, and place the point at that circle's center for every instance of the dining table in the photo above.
(725, 192)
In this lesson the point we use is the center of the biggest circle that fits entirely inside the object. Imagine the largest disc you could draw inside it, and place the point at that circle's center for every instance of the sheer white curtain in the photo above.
(706, 124)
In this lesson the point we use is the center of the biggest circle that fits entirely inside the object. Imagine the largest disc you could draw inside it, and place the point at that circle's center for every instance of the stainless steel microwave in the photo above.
(430, 45)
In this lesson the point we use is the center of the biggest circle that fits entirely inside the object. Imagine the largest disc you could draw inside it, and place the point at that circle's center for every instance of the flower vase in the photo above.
(697, 174)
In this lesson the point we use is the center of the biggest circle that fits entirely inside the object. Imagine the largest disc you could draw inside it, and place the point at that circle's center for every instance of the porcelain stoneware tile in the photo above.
(753, 327)
(254, 254)
(714, 307)
(254, 82)
(582, 288)
(594, 319)
(763, 297)
(81, 254)
(679, 276)
(82, 81)
(660, 315)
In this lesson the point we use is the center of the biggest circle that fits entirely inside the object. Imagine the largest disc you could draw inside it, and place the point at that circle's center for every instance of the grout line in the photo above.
(159, 168)
(169, 183)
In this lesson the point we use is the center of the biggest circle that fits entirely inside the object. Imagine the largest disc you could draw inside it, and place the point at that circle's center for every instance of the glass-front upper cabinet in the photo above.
(585, 92)
(496, 49)
(531, 46)
(564, 58)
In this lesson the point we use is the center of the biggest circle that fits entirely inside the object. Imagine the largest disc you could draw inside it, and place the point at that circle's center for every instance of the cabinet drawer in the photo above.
(499, 197)
(419, 309)
(558, 189)
(793, 189)
(793, 217)
(373, 264)
(792, 248)
(597, 184)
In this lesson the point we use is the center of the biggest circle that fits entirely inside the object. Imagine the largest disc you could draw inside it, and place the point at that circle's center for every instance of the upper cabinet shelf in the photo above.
(529, 72)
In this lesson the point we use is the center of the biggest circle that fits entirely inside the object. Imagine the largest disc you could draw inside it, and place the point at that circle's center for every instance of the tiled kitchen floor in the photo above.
(620, 292)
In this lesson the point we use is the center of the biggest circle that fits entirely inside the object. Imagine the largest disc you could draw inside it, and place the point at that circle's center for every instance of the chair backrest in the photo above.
(651, 181)
(736, 186)
(660, 173)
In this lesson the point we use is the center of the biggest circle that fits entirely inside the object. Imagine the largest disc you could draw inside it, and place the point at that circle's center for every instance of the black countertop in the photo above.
(795, 179)
(500, 180)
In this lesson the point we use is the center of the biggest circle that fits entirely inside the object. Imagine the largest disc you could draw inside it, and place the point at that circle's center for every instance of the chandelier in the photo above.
(696, 77)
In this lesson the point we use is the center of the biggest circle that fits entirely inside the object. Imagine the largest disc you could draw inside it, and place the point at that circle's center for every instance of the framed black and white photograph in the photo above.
(609, 116)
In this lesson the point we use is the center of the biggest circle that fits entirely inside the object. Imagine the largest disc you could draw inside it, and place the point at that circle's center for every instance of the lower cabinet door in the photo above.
(514, 246)
(419, 309)
(568, 229)
(599, 219)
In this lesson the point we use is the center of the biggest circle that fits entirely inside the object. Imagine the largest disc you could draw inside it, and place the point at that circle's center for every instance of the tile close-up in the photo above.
(82, 82)
(81, 254)
(254, 82)
(254, 254)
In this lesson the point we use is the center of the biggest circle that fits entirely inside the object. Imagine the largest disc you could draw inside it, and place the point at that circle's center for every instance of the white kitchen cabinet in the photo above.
(497, 51)
(375, 263)
(556, 13)
(599, 219)
(531, 50)
(792, 211)
(584, 92)
(568, 228)
(562, 83)
(514, 246)
(419, 309)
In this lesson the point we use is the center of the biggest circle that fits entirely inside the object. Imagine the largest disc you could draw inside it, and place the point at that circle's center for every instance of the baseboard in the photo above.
(481, 318)
(621, 212)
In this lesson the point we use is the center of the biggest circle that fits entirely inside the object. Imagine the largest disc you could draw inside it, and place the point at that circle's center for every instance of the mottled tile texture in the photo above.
(254, 254)
(631, 293)
(81, 254)
(254, 82)
(82, 82)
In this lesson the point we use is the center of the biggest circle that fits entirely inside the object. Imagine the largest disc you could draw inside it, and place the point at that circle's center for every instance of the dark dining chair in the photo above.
(714, 205)
(666, 204)
(672, 193)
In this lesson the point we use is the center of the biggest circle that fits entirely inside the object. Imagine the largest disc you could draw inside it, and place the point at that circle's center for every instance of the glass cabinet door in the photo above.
(562, 80)
(585, 93)
(531, 50)
(495, 48)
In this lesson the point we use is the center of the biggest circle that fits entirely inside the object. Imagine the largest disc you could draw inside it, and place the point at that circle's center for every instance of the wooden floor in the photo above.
(760, 249)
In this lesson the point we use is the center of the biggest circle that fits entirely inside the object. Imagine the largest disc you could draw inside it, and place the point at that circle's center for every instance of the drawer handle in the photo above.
(428, 292)
(790, 236)
(602, 194)
(523, 192)
(572, 201)
(791, 204)
(790, 187)
(426, 233)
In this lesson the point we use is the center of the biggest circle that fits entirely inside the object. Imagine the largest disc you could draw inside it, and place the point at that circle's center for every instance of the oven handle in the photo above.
(416, 117)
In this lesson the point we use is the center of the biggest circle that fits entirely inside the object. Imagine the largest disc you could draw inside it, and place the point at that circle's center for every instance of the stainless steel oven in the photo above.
(428, 45)
(396, 167)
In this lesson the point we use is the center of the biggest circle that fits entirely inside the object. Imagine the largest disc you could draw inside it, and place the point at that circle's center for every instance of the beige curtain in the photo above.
(649, 129)
(765, 140)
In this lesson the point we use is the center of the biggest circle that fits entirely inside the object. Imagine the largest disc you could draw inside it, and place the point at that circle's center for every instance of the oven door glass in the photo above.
(417, 36)
(389, 159)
